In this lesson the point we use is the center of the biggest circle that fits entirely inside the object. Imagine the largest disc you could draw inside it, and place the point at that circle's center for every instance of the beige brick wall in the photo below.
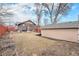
(62, 34)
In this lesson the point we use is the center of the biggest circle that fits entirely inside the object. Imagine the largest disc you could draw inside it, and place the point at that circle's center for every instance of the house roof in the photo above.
(74, 24)
(25, 22)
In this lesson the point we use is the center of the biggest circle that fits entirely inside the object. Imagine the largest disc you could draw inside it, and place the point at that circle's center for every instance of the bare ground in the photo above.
(28, 44)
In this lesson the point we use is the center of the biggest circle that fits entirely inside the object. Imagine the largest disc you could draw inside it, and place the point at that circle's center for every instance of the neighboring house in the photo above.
(26, 26)
(68, 31)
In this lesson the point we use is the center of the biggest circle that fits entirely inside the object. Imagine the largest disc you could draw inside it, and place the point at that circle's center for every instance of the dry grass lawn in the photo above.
(27, 43)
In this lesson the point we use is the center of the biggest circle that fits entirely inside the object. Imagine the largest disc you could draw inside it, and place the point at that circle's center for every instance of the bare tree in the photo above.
(57, 10)
(45, 22)
(38, 12)
(61, 9)
(50, 8)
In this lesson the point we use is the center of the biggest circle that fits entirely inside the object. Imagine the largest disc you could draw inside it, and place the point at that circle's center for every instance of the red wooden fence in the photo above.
(3, 30)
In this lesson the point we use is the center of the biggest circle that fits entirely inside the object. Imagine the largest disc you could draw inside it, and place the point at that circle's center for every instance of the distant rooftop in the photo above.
(26, 21)
(74, 24)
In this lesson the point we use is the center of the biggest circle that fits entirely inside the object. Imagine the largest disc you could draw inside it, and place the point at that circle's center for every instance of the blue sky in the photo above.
(72, 14)
(23, 12)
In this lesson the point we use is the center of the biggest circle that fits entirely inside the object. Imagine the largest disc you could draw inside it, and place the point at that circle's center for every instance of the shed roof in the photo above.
(74, 24)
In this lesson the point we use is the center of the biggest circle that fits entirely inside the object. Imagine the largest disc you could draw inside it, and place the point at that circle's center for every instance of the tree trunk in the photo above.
(51, 18)
(58, 11)
(51, 13)
(38, 20)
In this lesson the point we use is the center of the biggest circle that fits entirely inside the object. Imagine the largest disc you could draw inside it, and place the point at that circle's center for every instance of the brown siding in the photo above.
(62, 34)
